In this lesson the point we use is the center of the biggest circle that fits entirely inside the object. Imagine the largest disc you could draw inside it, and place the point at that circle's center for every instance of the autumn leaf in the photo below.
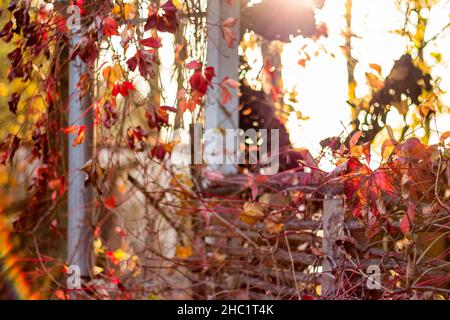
(437, 56)
(152, 42)
(200, 82)
(413, 149)
(123, 88)
(110, 203)
(444, 136)
(183, 252)
(373, 81)
(79, 130)
(428, 106)
(225, 94)
(299, 115)
(273, 227)
(117, 256)
(376, 67)
(62, 295)
(387, 148)
(194, 65)
(384, 181)
(110, 27)
(227, 31)
(112, 74)
(252, 212)
(407, 219)
(80, 137)
(163, 19)
(125, 10)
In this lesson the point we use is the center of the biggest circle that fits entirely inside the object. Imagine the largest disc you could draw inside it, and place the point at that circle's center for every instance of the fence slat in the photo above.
(333, 227)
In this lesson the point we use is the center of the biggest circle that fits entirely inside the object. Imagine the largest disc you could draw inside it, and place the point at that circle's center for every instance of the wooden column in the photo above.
(225, 61)
(333, 228)
(79, 196)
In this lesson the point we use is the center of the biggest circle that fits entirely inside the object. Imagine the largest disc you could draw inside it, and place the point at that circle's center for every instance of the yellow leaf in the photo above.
(97, 270)
(437, 56)
(387, 148)
(4, 91)
(300, 116)
(352, 91)
(98, 246)
(178, 4)
(252, 212)
(120, 255)
(318, 290)
(112, 74)
(17, 85)
(126, 11)
(183, 252)
(273, 227)
(361, 151)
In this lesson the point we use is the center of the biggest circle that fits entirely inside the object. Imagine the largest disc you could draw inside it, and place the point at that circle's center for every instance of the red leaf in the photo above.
(158, 152)
(414, 149)
(168, 108)
(110, 203)
(110, 27)
(210, 73)
(132, 63)
(198, 82)
(128, 85)
(194, 65)
(164, 20)
(116, 89)
(384, 181)
(225, 96)
(407, 219)
(153, 42)
(122, 88)
(227, 31)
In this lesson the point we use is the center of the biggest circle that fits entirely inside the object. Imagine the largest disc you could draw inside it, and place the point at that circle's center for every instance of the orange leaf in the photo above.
(80, 136)
(183, 252)
(376, 67)
(70, 129)
(79, 130)
(428, 106)
(444, 136)
(374, 81)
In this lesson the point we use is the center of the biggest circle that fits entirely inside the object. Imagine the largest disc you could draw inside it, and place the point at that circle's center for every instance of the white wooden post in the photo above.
(333, 227)
(79, 196)
(225, 61)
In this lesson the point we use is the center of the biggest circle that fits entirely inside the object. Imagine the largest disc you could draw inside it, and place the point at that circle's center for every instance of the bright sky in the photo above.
(322, 84)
